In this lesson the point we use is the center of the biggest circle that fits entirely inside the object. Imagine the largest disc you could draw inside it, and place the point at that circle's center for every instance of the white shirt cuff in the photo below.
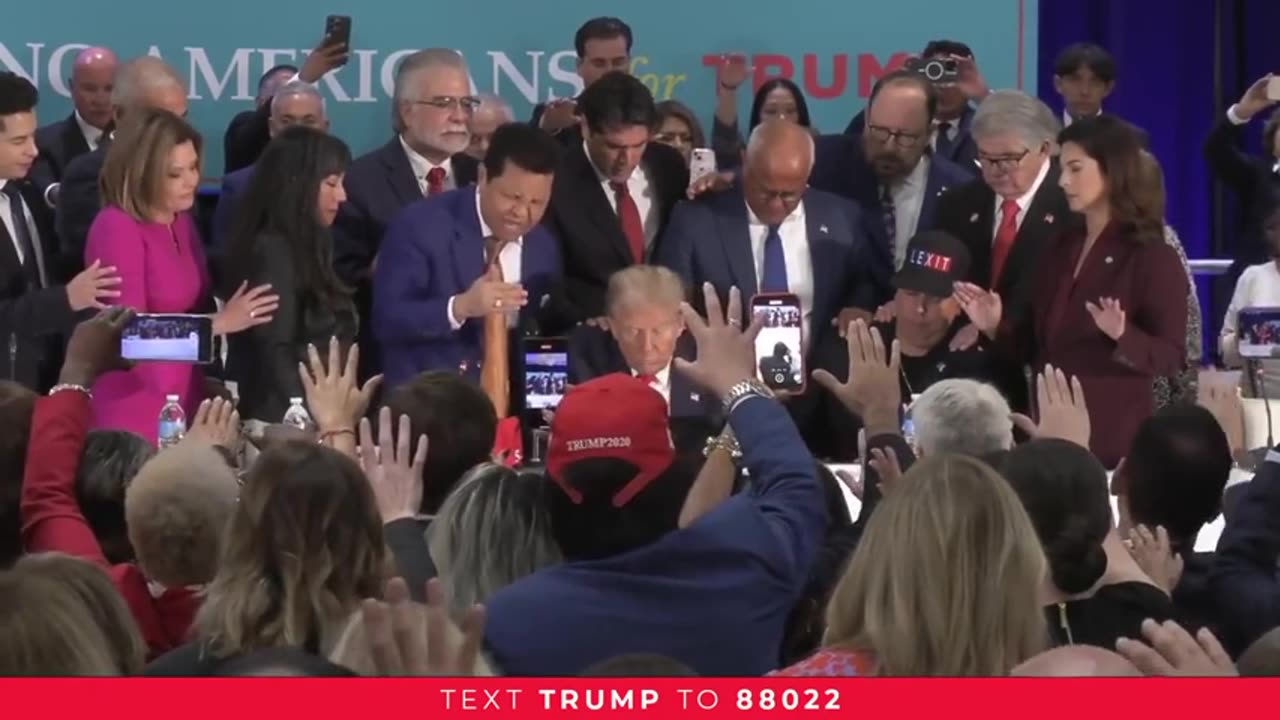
(448, 311)
(1234, 117)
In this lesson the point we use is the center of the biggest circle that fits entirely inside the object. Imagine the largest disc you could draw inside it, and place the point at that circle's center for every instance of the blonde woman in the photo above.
(302, 551)
(945, 582)
(61, 616)
(491, 531)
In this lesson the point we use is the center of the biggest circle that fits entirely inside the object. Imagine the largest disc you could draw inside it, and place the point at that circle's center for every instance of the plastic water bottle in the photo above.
(297, 415)
(173, 422)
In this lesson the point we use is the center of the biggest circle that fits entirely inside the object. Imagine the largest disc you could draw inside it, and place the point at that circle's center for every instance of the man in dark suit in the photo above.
(60, 142)
(37, 312)
(426, 156)
(296, 103)
(146, 82)
(890, 173)
(950, 137)
(453, 259)
(769, 233)
(1255, 181)
(603, 45)
(1017, 209)
(645, 335)
(249, 132)
(612, 196)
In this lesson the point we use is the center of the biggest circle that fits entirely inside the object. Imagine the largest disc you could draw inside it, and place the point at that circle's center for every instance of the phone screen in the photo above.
(546, 372)
(1259, 332)
(168, 338)
(779, 346)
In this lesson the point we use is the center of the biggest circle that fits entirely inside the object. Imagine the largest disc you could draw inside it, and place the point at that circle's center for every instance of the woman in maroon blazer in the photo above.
(1109, 302)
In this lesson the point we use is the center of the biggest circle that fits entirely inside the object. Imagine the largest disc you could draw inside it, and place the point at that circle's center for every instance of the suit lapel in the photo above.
(404, 184)
(596, 205)
(76, 143)
(1038, 226)
(821, 251)
(466, 170)
(468, 244)
(735, 238)
(933, 189)
(686, 397)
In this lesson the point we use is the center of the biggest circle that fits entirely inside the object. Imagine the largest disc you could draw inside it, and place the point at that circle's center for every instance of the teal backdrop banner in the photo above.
(834, 49)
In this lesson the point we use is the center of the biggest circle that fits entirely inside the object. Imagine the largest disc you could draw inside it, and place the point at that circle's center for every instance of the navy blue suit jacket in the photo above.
(432, 251)
(963, 151)
(234, 185)
(708, 241)
(842, 169)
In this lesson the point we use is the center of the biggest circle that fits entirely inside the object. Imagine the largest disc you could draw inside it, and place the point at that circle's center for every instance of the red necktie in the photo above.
(648, 379)
(632, 226)
(435, 181)
(1005, 235)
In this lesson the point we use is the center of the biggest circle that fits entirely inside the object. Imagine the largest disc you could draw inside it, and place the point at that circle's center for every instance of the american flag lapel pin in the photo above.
(1048, 219)
(973, 218)
(695, 397)
(822, 229)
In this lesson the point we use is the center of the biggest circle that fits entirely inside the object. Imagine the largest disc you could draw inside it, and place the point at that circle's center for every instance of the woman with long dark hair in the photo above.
(777, 99)
(1109, 306)
(281, 235)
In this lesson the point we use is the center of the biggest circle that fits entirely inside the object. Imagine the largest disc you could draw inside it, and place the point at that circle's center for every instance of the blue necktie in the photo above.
(773, 278)
(943, 144)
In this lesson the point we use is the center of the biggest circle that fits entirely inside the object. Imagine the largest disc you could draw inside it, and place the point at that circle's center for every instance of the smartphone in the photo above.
(337, 31)
(703, 162)
(1273, 88)
(168, 338)
(779, 346)
(1259, 332)
(546, 373)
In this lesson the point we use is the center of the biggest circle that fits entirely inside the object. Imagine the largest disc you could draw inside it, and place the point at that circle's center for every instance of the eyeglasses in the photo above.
(902, 139)
(468, 104)
(1002, 163)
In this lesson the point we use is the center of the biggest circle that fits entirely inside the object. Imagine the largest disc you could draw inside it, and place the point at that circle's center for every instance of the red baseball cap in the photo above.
(616, 416)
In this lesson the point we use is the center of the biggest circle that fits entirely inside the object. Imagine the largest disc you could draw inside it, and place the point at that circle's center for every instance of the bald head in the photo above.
(1076, 661)
(775, 173)
(92, 77)
(148, 82)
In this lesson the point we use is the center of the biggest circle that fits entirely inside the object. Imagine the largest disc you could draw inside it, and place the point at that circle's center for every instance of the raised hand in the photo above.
(406, 641)
(1063, 413)
(558, 115)
(872, 391)
(983, 307)
(1154, 554)
(1170, 650)
(246, 308)
(216, 422)
(726, 354)
(334, 397)
(733, 71)
(94, 288)
(1255, 99)
(393, 470)
(1108, 316)
(94, 348)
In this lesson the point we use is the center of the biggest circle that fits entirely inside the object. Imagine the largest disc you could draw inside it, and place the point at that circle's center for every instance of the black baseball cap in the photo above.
(935, 262)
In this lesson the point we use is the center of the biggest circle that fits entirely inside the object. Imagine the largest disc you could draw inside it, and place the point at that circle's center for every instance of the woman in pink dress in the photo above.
(149, 181)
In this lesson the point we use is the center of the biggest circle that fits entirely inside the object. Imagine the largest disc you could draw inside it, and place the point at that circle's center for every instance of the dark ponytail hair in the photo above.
(1064, 489)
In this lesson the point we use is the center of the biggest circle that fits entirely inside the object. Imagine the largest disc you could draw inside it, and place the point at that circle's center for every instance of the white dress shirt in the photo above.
(1067, 119)
(509, 259)
(908, 200)
(795, 248)
(421, 166)
(7, 218)
(92, 135)
(641, 191)
(662, 383)
(1024, 202)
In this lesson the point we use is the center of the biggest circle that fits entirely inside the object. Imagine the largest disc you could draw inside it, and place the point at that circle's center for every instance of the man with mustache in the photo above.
(890, 173)
(431, 106)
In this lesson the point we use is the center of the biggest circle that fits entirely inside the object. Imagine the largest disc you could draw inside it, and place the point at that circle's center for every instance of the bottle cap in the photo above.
(295, 401)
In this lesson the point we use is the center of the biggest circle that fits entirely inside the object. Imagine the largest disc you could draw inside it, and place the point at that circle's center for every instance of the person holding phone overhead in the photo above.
(1104, 307)
(281, 237)
(145, 230)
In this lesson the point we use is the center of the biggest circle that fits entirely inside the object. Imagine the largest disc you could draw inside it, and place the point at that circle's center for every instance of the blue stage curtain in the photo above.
(1181, 64)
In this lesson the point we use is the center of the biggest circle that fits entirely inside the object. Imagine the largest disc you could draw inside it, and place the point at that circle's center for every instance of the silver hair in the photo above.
(493, 529)
(140, 76)
(653, 284)
(411, 66)
(297, 88)
(498, 104)
(1013, 112)
(962, 416)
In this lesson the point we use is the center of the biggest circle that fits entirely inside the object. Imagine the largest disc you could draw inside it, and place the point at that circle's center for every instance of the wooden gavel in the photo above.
(495, 373)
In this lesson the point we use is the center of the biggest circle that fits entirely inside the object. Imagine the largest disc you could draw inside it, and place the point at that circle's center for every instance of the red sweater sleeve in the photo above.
(51, 516)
